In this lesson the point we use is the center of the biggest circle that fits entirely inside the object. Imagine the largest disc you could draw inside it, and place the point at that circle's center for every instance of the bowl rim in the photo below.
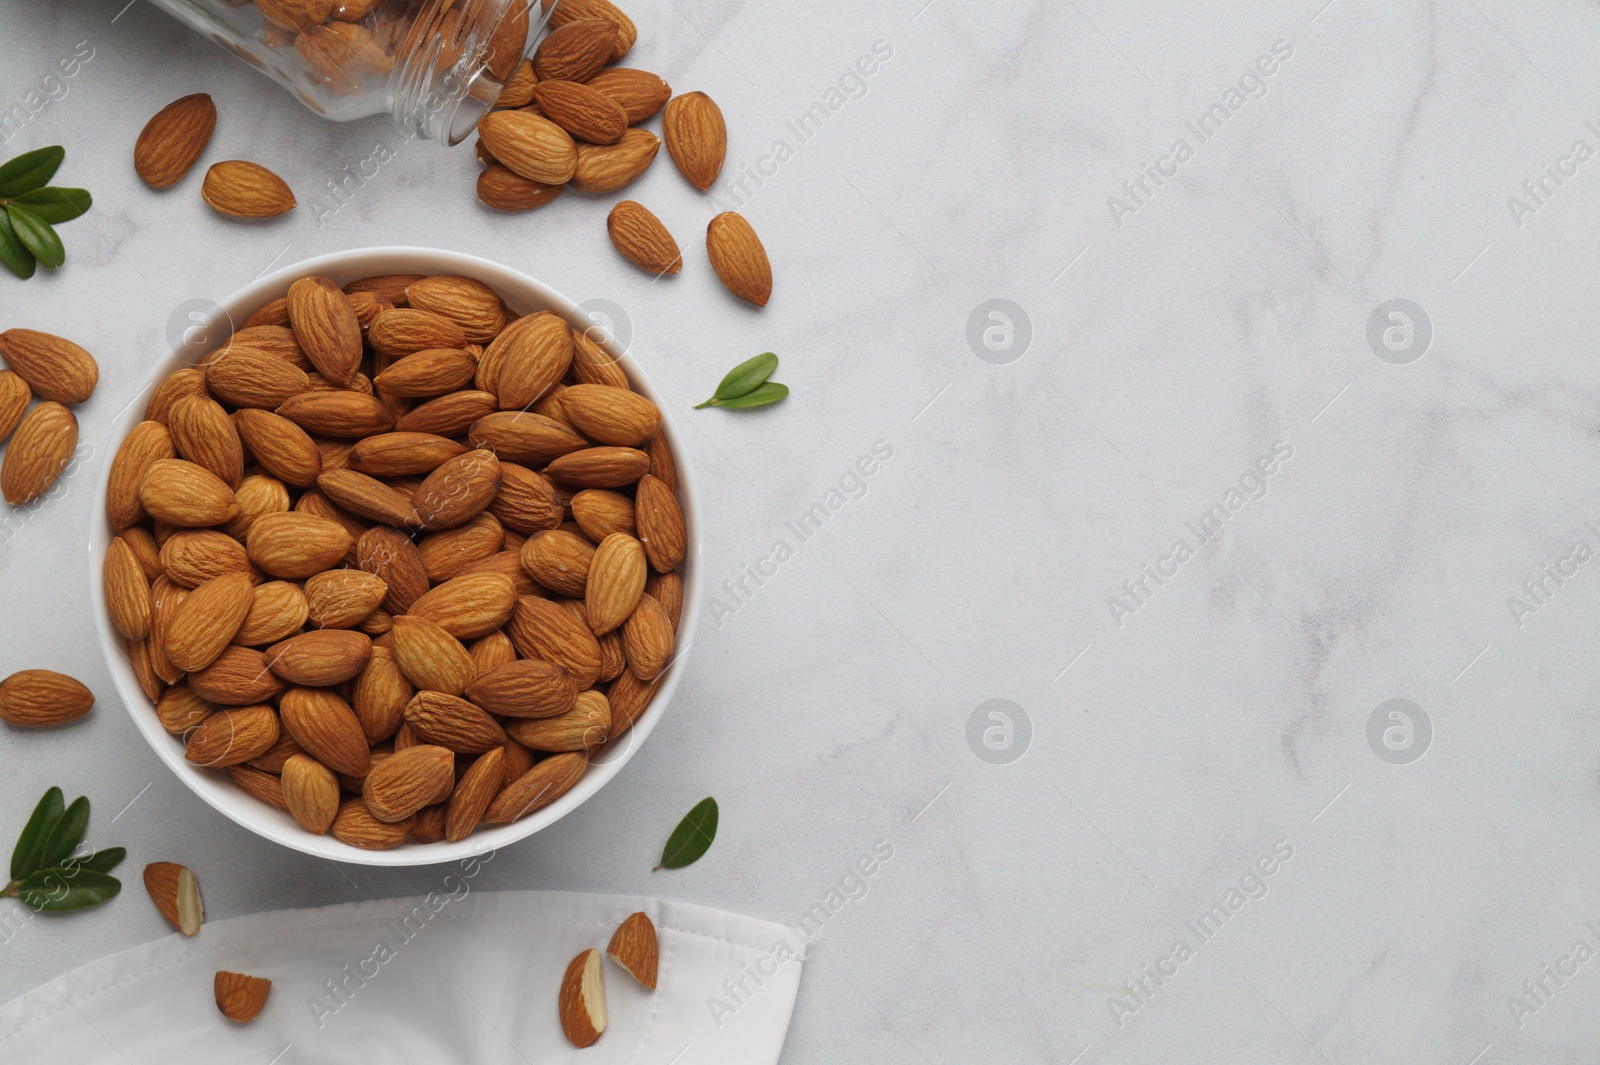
(523, 293)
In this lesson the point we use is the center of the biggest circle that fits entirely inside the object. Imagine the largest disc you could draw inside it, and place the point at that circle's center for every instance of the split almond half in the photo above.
(634, 946)
(176, 893)
(240, 998)
(583, 1000)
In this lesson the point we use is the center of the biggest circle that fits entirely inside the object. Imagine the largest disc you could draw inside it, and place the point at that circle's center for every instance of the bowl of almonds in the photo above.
(396, 557)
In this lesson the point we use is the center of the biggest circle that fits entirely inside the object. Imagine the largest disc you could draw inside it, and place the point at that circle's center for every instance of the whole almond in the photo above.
(321, 658)
(246, 190)
(407, 330)
(527, 359)
(525, 688)
(402, 454)
(739, 259)
(559, 560)
(609, 415)
(640, 238)
(175, 892)
(647, 638)
(343, 598)
(174, 139)
(451, 552)
(229, 737)
(15, 395)
(427, 373)
(180, 709)
(616, 581)
(661, 461)
(697, 137)
(469, 606)
(311, 792)
(453, 722)
(575, 50)
(327, 728)
(448, 416)
(380, 696)
(390, 554)
(530, 146)
(39, 697)
(542, 630)
(609, 167)
(473, 794)
(294, 545)
(593, 364)
(185, 382)
(39, 452)
(538, 787)
(341, 415)
(368, 497)
(249, 377)
(505, 190)
(457, 491)
(204, 434)
(273, 312)
(471, 304)
(317, 505)
(166, 595)
(127, 591)
(491, 652)
(660, 521)
(527, 501)
(613, 660)
(600, 467)
(205, 623)
(519, 436)
(186, 495)
(391, 287)
(630, 697)
(193, 556)
(240, 998)
(277, 611)
(55, 368)
(273, 758)
(640, 92)
(238, 677)
(280, 446)
(276, 340)
(356, 826)
(408, 780)
(519, 87)
(431, 658)
(588, 114)
(326, 327)
(573, 10)
(579, 729)
(600, 512)
(261, 785)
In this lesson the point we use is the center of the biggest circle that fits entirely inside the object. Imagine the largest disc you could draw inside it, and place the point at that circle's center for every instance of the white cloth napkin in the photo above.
(456, 976)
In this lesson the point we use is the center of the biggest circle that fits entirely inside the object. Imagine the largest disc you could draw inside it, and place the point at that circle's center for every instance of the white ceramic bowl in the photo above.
(524, 295)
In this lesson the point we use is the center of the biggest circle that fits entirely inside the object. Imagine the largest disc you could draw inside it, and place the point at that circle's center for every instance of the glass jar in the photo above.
(437, 66)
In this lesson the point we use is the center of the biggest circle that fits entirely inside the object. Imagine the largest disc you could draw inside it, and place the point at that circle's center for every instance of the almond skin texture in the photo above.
(600, 467)
(527, 502)
(609, 167)
(573, 10)
(506, 190)
(660, 522)
(579, 729)
(408, 780)
(559, 560)
(540, 786)
(207, 620)
(647, 638)
(640, 238)
(205, 435)
(526, 360)
(229, 737)
(326, 327)
(278, 609)
(629, 698)
(407, 330)
(452, 552)
(520, 436)
(311, 792)
(53, 367)
(532, 147)
(280, 446)
(343, 598)
(430, 657)
(294, 545)
(588, 114)
(38, 453)
(640, 92)
(402, 454)
(469, 606)
(575, 51)
(127, 591)
(327, 728)
(525, 688)
(697, 137)
(240, 998)
(40, 697)
(380, 696)
(544, 631)
(356, 826)
(390, 554)
(739, 258)
(458, 491)
(186, 495)
(172, 887)
(368, 497)
(427, 373)
(471, 304)
(258, 784)
(448, 416)
(239, 677)
(636, 947)
(453, 722)
(600, 512)
(15, 395)
(248, 377)
(322, 658)
(340, 415)
(246, 190)
(615, 416)
(582, 1003)
(174, 139)
(473, 794)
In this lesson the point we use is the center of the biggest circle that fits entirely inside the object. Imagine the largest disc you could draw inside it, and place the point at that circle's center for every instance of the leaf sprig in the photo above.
(29, 209)
(46, 872)
(692, 838)
(747, 386)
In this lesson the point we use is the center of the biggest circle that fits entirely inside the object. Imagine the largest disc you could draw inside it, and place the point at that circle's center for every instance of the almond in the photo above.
(15, 395)
(575, 51)
(326, 327)
(525, 688)
(248, 377)
(368, 497)
(473, 794)
(469, 303)
(697, 137)
(559, 560)
(311, 792)
(518, 436)
(647, 638)
(505, 190)
(491, 652)
(145, 550)
(238, 677)
(146, 443)
(636, 947)
(127, 591)
(240, 998)
(273, 758)
(518, 760)
(470, 606)
(593, 364)
(588, 114)
(229, 737)
(185, 382)
(402, 454)
(660, 521)
(204, 434)
(319, 659)
(431, 658)
(205, 623)
(54, 368)
(313, 503)
(391, 555)
(327, 728)
(166, 595)
(368, 305)
(629, 698)
(391, 287)
(299, 15)
(640, 238)
(609, 415)
(341, 415)
(527, 359)
(380, 696)
(277, 611)
(527, 501)
(583, 1000)
(600, 512)
(507, 564)
(573, 10)
(295, 545)
(427, 373)
(519, 87)
(180, 709)
(343, 598)
(640, 92)
(246, 190)
(190, 557)
(405, 330)
(38, 453)
(544, 631)
(613, 660)
(174, 139)
(264, 786)
(183, 494)
(356, 826)
(453, 722)
(276, 340)
(273, 312)
(530, 146)
(39, 697)
(458, 491)
(144, 670)
(281, 447)
(408, 780)
(739, 259)
(450, 415)
(609, 167)
(661, 462)
(176, 893)
(579, 729)
(600, 467)
(451, 552)
(540, 786)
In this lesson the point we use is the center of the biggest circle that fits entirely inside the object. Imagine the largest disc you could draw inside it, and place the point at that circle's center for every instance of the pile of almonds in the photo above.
(396, 558)
(42, 440)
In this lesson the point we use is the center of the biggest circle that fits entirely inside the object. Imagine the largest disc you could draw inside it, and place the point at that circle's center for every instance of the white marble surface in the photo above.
(1226, 315)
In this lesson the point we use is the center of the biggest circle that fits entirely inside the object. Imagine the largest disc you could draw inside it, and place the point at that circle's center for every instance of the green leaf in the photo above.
(104, 861)
(770, 392)
(30, 845)
(18, 260)
(57, 890)
(692, 838)
(36, 235)
(743, 379)
(67, 833)
(30, 170)
(56, 205)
